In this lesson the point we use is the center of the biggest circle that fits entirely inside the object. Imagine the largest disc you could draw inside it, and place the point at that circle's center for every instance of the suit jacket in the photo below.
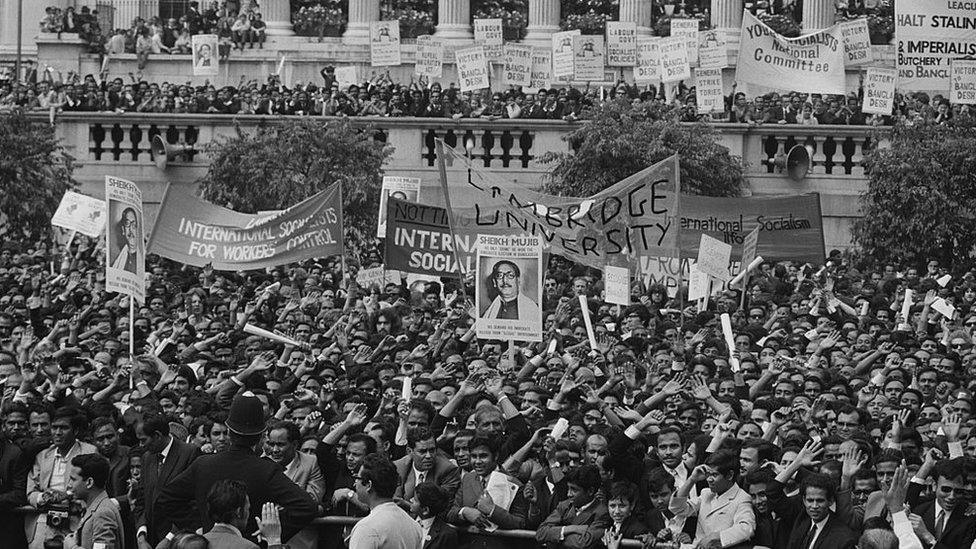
(184, 498)
(468, 495)
(441, 535)
(118, 475)
(154, 478)
(444, 473)
(835, 535)
(959, 530)
(39, 478)
(595, 518)
(729, 514)
(102, 523)
(528, 309)
(13, 492)
(222, 537)
(304, 471)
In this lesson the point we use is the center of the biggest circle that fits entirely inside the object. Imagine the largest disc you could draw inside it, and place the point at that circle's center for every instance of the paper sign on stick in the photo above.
(879, 91)
(713, 257)
(617, 283)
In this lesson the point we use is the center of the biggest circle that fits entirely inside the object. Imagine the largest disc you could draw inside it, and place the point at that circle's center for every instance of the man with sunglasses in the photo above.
(944, 523)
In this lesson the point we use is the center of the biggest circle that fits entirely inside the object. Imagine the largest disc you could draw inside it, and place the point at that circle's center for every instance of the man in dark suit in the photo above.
(580, 521)
(944, 518)
(429, 506)
(184, 498)
(164, 460)
(424, 464)
(814, 525)
(13, 491)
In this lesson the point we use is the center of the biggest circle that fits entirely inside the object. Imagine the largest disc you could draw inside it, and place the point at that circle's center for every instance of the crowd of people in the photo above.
(834, 419)
(44, 90)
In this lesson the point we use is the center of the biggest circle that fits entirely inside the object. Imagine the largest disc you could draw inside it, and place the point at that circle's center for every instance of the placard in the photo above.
(509, 288)
(541, 68)
(648, 69)
(472, 68)
(82, 213)
(562, 53)
(712, 53)
(125, 264)
(617, 285)
(588, 58)
(688, 30)
(429, 60)
(621, 44)
(963, 82)
(714, 257)
(380, 276)
(518, 65)
(697, 284)
(403, 188)
(929, 34)
(384, 43)
(674, 59)
(488, 33)
(879, 91)
(709, 93)
(749, 247)
(857, 42)
(345, 77)
(205, 58)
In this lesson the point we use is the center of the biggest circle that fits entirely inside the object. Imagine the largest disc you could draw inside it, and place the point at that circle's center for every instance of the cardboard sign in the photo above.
(712, 53)
(509, 289)
(380, 276)
(674, 59)
(588, 58)
(472, 66)
(541, 68)
(617, 285)
(709, 92)
(206, 57)
(403, 188)
(857, 41)
(518, 65)
(125, 264)
(78, 212)
(963, 82)
(563, 57)
(749, 247)
(430, 58)
(488, 33)
(688, 30)
(714, 257)
(648, 69)
(384, 43)
(621, 44)
(879, 91)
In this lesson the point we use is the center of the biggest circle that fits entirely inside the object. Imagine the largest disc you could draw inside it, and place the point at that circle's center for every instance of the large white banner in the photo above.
(621, 44)
(687, 29)
(541, 68)
(879, 91)
(674, 59)
(813, 63)
(929, 34)
(384, 43)
(562, 53)
(125, 266)
(648, 69)
(518, 65)
(206, 58)
(588, 58)
(82, 213)
(709, 93)
(430, 57)
(488, 32)
(857, 41)
(472, 68)
(963, 88)
(509, 289)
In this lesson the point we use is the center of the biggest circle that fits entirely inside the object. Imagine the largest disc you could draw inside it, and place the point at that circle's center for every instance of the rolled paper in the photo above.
(261, 332)
(737, 279)
(729, 340)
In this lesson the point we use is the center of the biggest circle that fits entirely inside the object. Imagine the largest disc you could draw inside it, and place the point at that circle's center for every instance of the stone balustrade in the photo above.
(108, 143)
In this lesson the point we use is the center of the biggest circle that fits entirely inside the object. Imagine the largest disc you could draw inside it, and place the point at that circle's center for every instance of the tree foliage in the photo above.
(618, 140)
(280, 165)
(921, 197)
(35, 172)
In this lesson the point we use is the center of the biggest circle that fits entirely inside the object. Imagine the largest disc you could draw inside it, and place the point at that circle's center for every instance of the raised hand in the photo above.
(699, 388)
(852, 461)
(808, 454)
(675, 385)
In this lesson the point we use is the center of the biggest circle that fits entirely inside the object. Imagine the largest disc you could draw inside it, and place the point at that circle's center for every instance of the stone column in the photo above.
(361, 14)
(123, 12)
(817, 15)
(543, 21)
(727, 19)
(637, 11)
(454, 20)
(277, 15)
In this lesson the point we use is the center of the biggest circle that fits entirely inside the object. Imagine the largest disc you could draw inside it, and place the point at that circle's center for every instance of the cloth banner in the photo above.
(812, 63)
(82, 213)
(632, 218)
(206, 61)
(472, 67)
(125, 265)
(418, 240)
(879, 91)
(384, 43)
(621, 44)
(929, 34)
(193, 231)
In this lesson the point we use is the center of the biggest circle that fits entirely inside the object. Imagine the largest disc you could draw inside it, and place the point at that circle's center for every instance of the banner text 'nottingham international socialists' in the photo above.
(812, 63)
(633, 218)
(196, 232)
(790, 227)
(418, 240)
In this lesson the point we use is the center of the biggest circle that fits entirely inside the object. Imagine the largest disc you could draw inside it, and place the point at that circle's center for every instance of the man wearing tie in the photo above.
(424, 464)
(945, 521)
(724, 511)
